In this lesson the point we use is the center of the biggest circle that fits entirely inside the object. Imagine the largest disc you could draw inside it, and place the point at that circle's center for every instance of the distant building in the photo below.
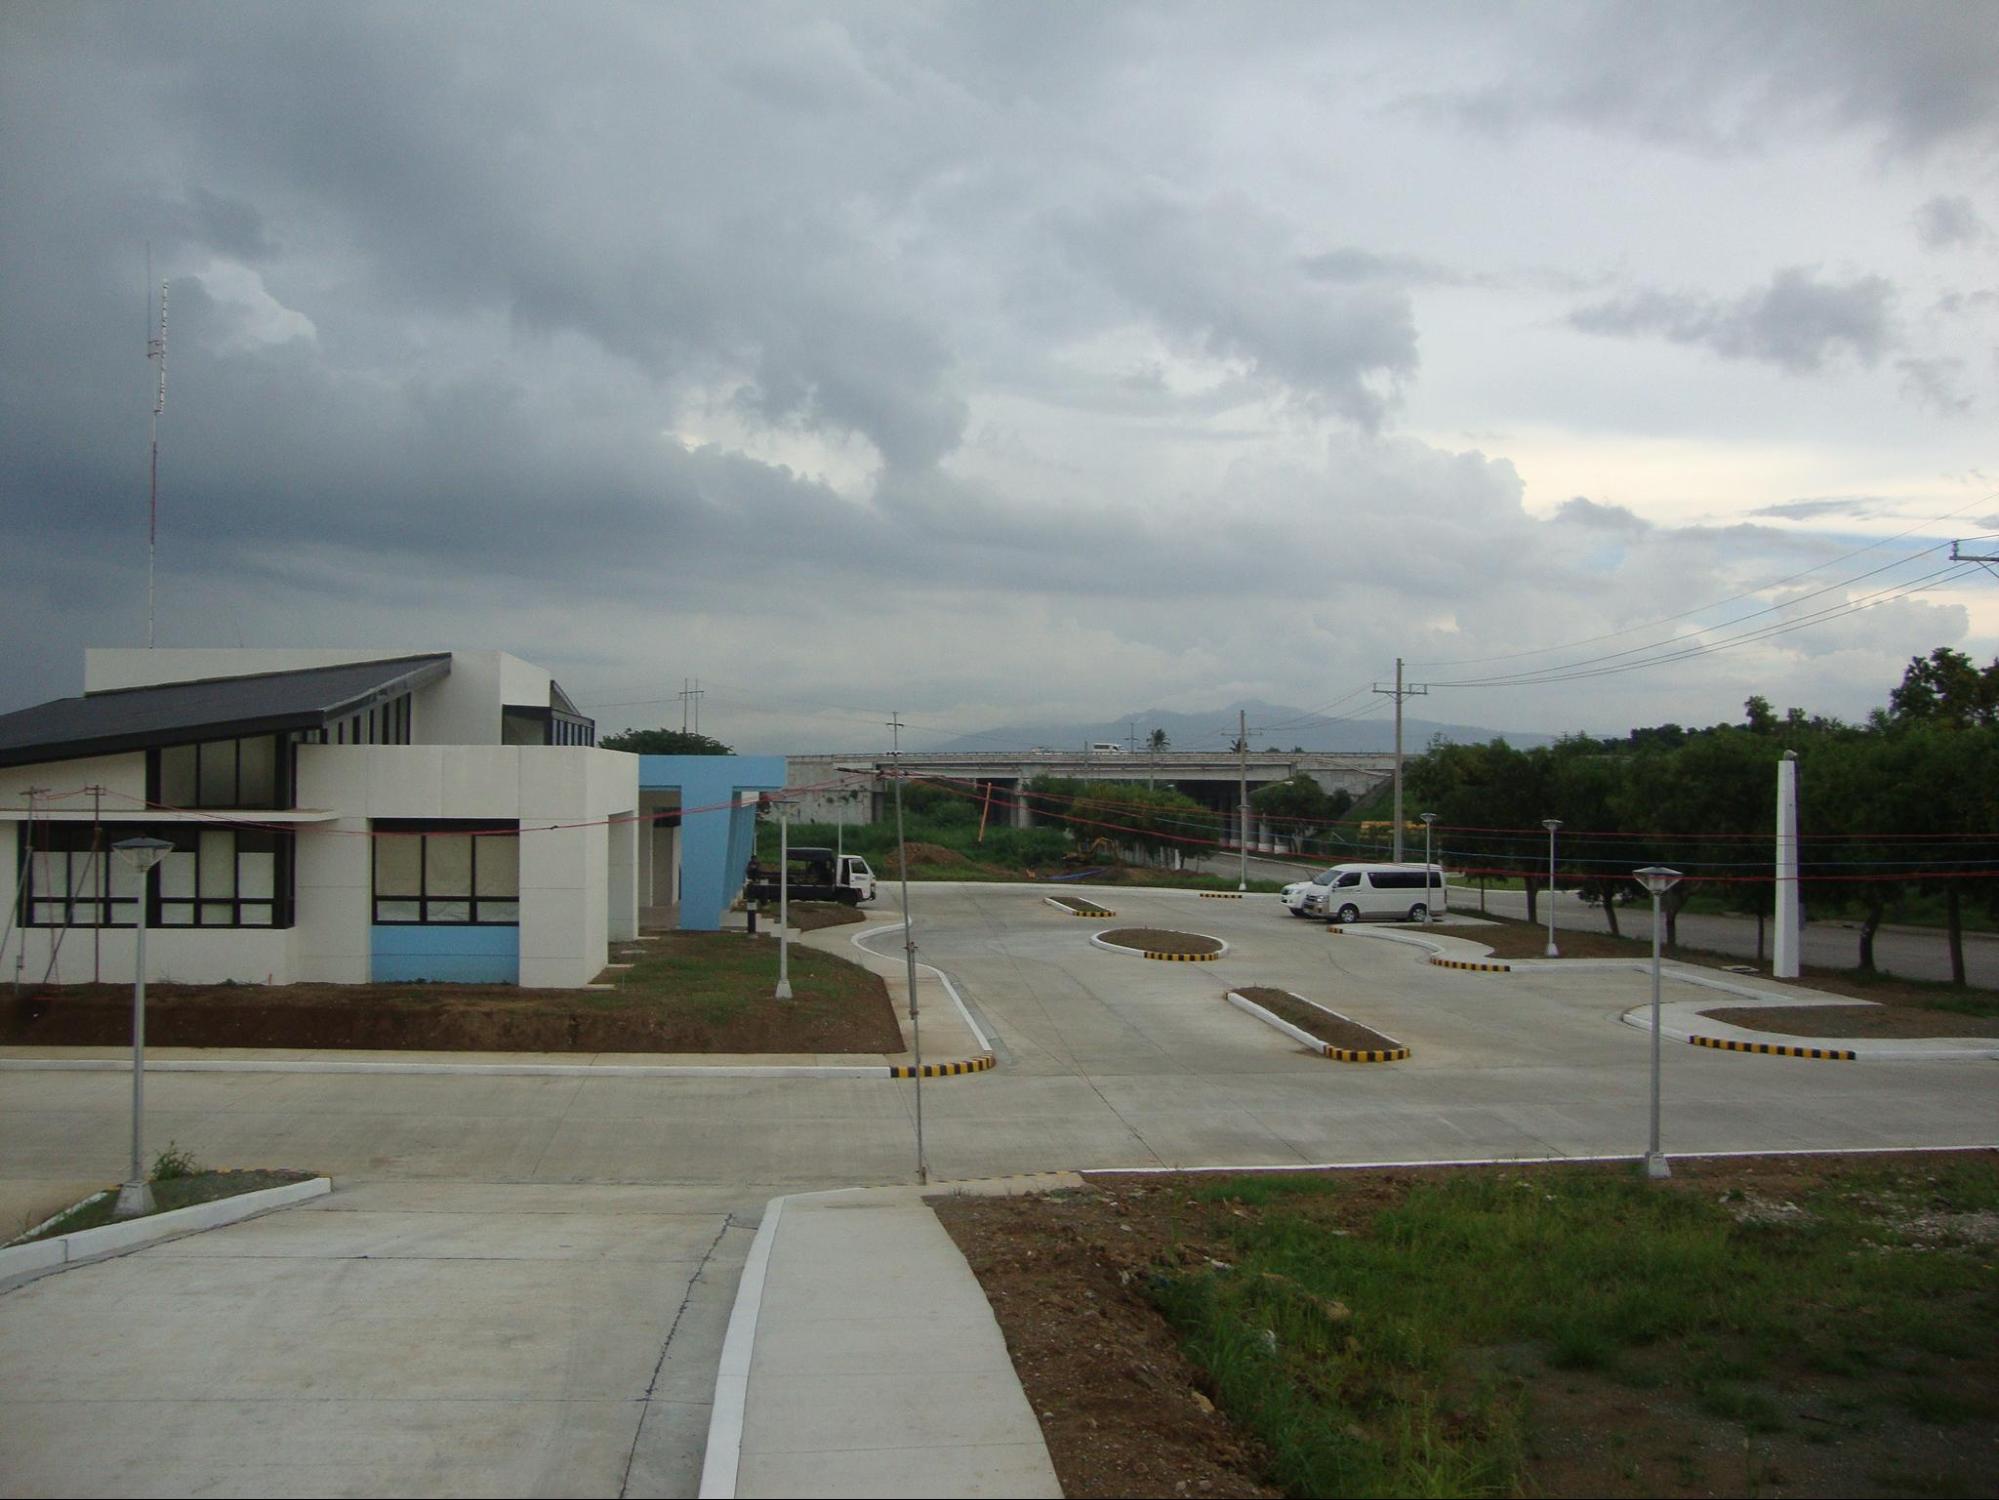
(346, 816)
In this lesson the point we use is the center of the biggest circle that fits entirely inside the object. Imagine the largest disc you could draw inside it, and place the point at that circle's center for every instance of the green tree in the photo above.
(1946, 688)
(663, 742)
(1157, 741)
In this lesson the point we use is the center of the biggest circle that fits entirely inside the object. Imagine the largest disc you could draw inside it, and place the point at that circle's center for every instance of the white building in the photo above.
(336, 816)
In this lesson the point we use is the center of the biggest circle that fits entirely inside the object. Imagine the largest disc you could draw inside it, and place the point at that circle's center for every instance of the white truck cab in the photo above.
(857, 877)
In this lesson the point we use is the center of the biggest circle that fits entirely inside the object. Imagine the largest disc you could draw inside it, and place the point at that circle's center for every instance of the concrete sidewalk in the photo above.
(863, 1359)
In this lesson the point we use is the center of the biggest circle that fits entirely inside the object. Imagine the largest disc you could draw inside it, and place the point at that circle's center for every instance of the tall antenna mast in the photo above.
(156, 349)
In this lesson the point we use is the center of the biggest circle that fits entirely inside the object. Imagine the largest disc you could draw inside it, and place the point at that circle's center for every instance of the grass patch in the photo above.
(1352, 1330)
(182, 1190)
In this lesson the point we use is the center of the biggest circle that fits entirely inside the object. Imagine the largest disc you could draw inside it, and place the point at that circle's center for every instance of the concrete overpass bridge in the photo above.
(1210, 777)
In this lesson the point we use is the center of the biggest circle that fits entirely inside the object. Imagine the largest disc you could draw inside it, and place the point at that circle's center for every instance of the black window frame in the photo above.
(477, 829)
(186, 839)
(282, 796)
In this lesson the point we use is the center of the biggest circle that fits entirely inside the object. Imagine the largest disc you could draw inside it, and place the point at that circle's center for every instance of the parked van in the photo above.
(1398, 893)
(1106, 747)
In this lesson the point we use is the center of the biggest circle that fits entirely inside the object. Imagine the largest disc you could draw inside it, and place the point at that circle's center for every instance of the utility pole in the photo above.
(908, 941)
(156, 349)
(1242, 777)
(1400, 691)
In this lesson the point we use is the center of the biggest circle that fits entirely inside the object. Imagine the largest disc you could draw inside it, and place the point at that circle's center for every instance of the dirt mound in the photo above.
(921, 854)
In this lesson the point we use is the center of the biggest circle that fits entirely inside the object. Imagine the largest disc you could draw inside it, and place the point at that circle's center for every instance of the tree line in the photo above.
(1905, 803)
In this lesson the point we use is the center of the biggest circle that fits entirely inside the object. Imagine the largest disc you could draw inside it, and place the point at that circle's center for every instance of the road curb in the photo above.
(62, 1251)
(1097, 941)
(1476, 968)
(1219, 895)
(943, 1069)
(1062, 906)
(1776, 1049)
(1242, 1002)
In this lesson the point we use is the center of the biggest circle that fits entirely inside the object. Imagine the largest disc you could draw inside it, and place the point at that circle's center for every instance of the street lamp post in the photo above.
(1429, 823)
(783, 901)
(1657, 880)
(135, 1194)
(1551, 824)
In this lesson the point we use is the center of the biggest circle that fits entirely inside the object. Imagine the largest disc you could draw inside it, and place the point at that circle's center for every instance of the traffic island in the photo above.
(1162, 943)
(1076, 906)
(1324, 1030)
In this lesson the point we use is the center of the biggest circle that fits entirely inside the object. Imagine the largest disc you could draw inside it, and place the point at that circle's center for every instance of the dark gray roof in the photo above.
(178, 713)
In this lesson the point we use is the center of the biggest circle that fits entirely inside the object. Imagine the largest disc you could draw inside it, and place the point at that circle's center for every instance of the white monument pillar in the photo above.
(1785, 958)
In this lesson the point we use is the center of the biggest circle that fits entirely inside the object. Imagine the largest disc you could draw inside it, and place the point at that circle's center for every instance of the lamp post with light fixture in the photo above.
(1429, 823)
(135, 1194)
(1657, 880)
(1551, 824)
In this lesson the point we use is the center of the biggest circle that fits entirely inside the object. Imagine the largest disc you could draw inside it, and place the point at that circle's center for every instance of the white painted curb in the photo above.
(1680, 1019)
(964, 1010)
(469, 1070)
(1270, 1018)
(724, 1453)
(87, 1244)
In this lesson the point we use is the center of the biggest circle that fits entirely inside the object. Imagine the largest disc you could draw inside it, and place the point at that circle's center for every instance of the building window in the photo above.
(220, 773)
(384, 724)
(447, 874)
(214, 877)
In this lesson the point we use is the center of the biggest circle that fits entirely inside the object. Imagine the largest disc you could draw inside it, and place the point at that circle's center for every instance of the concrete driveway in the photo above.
(520, 1283)
(390, 1339)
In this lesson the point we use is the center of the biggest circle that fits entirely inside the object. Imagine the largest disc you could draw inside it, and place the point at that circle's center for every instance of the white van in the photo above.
(1106, 747)
(1398, 893)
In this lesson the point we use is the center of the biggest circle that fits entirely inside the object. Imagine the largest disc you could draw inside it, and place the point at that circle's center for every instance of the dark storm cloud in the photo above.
(1798, 322)
(1205, 273)
(1944, 222)
(1735, 77)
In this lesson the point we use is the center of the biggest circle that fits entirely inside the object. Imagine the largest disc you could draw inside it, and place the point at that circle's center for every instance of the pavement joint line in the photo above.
(666, 1345)
(1394, 1053)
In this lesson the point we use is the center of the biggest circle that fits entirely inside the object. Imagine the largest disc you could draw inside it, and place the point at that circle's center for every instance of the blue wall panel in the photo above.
(715, 838)
(461, 955)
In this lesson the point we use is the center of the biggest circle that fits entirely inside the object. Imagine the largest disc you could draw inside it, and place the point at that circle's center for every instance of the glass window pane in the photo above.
(398, 864)
(218, 774)
(218, 914)
(260, 771)
(176, 875)
(47, 913)
(218, 862)
(177, 776)
(500, 913)
(499, 865)
(176, 914)
(447, 911)
(257, 875)
(255, 915)
(125, 884)
(447, 867)
(398, 911)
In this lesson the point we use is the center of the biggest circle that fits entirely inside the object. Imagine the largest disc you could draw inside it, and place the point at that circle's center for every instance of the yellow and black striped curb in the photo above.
(1180, 958)
(943, 1069)
(1476, 968)
(1219, 895)
(1060, 904)
(1349, 1054)
(1777, 1049)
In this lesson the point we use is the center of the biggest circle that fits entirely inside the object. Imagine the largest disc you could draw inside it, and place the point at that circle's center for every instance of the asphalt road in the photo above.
(488, 1349)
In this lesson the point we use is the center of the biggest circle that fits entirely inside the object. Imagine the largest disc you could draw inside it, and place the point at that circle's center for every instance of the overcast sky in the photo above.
(1009, 361)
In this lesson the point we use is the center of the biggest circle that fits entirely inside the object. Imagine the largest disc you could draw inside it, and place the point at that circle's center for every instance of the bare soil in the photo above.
(1085, 908)
(810, 916)
(688, 992)
(1330, 1027)
(1161, 940)
(1855, 1020)
(1125, 1412)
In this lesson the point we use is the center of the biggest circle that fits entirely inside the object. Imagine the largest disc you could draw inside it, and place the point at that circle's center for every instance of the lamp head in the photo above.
(1656, 879)
(1551, 824)
(1427, 817)
(143, 853)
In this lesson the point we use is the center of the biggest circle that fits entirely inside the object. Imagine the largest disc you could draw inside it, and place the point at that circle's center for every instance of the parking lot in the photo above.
(459, 1202)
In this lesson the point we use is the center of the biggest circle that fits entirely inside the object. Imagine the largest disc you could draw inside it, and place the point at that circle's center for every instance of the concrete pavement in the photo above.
(389, 1339)
(494, 1351)
(865, 1360)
